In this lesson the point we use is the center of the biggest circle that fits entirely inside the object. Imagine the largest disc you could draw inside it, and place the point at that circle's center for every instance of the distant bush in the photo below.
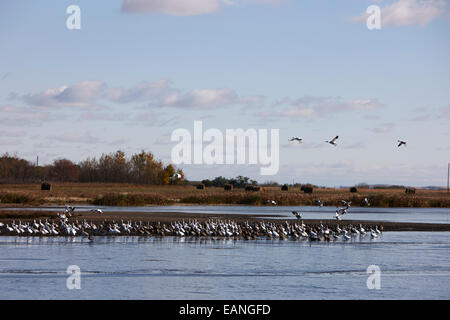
(18, 198)
(388, 187)
(270, 184)
(238, 182)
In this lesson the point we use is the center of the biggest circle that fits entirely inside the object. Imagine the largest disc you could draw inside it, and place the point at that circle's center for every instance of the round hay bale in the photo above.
(201, 186)
(46, 186)
(410, 190)
(353, 189)
(307, 189)
(228, 187)
(285, 187)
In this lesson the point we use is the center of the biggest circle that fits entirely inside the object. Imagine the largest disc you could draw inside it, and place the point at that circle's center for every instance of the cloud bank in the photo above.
(409, 12)
(310, 107)
(160, 93)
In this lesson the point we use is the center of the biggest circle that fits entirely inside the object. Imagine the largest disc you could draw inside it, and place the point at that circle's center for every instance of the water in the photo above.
(424, 215)
(414, 265)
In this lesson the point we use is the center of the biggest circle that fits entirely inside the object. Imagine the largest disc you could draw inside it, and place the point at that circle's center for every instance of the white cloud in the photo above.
(355, 145)
(81, 94)
(348, 172)
(409, 12)
(444, 112)
(160, 93)
(147, 117)
(141, 92)
(10, 142)
(80, 138)
(253, 101)
(384, 128)
(309, 107)
(412, 12)
(22, 116)
(202, 99)
(91, 116)
(76, 137)
(13, 134)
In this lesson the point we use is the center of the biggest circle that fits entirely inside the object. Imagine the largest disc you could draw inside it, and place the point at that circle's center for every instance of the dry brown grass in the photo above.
(128, 194)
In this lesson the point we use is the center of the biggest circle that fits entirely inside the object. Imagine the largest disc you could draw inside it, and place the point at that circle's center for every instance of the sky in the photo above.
(137, 70)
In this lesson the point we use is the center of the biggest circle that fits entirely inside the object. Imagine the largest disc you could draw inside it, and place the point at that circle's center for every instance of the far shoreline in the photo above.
(132, 195)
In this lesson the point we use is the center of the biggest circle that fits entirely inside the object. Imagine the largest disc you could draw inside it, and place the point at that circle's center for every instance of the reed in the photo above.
(18, 198)
(120, 199)
(116, 194)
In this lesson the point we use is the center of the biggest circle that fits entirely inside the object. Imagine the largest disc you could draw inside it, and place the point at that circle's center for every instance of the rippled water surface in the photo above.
(414, 265)
(425, 215)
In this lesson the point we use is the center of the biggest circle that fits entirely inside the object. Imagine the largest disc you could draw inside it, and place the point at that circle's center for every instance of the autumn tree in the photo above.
(64, 170)
(142, 168)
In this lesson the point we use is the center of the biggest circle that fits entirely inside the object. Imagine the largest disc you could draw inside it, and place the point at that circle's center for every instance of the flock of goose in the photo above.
(212, 228)
(61, 226)
(333, 141)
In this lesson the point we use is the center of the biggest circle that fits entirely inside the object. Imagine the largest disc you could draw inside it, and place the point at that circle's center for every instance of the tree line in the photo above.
(238, 182)
(140, 168)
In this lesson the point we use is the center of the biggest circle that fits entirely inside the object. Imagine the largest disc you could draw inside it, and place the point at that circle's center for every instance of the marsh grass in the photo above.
(131, 199)
(19, 198)
(138, 195)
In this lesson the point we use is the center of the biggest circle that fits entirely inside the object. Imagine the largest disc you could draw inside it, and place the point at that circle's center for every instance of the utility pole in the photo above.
(448, 177)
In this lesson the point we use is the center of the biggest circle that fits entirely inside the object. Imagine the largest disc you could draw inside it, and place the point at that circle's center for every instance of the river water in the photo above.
(413, 265)
(425, 215)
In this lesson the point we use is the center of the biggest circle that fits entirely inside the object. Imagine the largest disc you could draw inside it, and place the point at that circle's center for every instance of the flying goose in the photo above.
(297, 214)
(333, 141)
(175, 176)
(296, 139)
(400, 143)
(346, 203)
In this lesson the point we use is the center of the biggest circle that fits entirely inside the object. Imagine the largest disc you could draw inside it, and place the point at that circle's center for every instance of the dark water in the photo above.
(414, 265)
(425, 215)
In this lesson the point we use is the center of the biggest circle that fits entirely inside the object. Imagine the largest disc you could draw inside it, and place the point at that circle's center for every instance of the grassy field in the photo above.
(137, 195)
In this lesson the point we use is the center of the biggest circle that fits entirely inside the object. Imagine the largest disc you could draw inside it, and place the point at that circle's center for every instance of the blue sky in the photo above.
(310, 68)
